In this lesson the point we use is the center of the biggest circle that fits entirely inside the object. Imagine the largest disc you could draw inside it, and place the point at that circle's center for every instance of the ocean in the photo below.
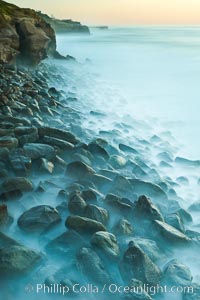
(154, 72)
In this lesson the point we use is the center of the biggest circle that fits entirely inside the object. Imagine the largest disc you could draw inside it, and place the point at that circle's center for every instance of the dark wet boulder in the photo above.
(79, 170)
(16, 259)
(175, 221)
(106, 242)
(121, 186)
(35, 151)
(39, 218)
(58, 134)
(81, 157)
(169, 233)
(137, 264)
(127, 149)
(90, 196)
(5, 218)
(117, 203)
(69, 240)
(25, 130)
(4, 153)
(84, 225)
(26, 134)
(123, 227)
(76, 204)
(149, 247)
(21, 184)
(98, 150)
(145, 209)
(101, 182)
(58, 143)
(149, 189)
(96, 213)
(20, 162)
(176, 273)
(91, 266)
(8, 142)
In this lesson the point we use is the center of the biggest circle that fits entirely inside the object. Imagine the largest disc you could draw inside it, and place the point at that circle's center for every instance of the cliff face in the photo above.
(65, 26)
(24, 35)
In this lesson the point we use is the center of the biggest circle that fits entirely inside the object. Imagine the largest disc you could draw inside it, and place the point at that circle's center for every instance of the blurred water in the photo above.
(155, 69)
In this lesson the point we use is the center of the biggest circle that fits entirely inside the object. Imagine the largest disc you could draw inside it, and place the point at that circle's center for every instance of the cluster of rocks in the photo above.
(111, 223)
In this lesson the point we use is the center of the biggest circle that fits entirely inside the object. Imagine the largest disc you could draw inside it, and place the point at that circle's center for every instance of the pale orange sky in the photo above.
(120, 12)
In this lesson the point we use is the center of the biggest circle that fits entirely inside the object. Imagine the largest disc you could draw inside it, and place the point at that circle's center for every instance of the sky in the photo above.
(120, 12)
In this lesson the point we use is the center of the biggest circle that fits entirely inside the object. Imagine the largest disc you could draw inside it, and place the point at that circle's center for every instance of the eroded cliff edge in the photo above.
(24, 35)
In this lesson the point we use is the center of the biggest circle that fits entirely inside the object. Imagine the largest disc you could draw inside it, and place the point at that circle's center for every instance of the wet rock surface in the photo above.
(83, 198)
(39, 218)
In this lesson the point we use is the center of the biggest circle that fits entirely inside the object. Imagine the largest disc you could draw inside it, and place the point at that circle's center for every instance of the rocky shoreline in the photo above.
(81, 208)
(105, 216)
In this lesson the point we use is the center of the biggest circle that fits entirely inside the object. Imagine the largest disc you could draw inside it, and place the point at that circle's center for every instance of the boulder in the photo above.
(175, 221)
(149, 247)
(123, 227)
(116, 202)
(46, 166)
(176, 273)
(169, 233)
(127, 149)
(106, 242)
(35, 151)
(117, 161)
(20, 162)
(76, 204)
(5, 218)
(39, 218)
(84, 225)
(137, 291)
(57, 134)
(145, 209)
(79, 170)
(8, 142)
(149, 189)
(69, 240)
(96, 213)
(121, 186)
(92, 267)
(97, 150)
(58, 143)
(90, 196)
(17, 184)
(15, 259)
(137, 264)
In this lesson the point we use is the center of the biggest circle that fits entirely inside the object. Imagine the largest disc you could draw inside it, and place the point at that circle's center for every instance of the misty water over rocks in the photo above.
(93, 191)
